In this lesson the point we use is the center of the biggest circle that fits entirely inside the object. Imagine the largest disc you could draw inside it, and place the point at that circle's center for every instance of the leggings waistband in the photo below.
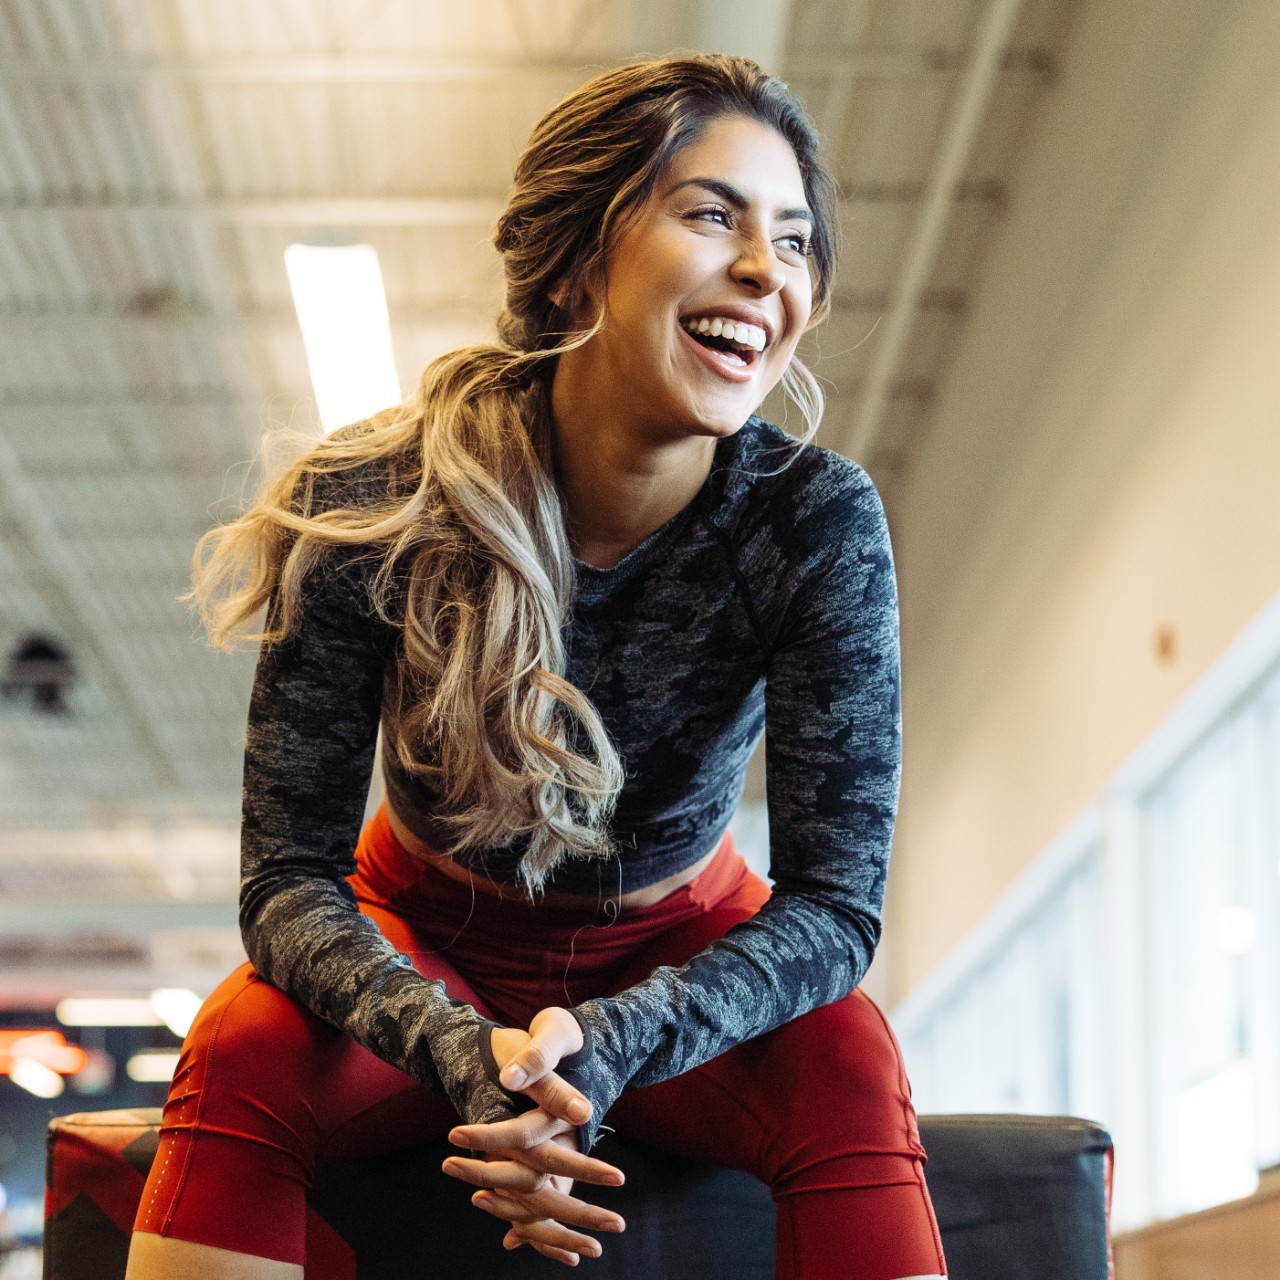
(387, 874)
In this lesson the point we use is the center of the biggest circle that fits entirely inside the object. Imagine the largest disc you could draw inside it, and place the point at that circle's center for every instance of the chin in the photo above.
(720, 416)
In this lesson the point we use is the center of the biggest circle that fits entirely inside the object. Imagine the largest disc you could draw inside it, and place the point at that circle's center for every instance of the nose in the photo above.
(757, 266)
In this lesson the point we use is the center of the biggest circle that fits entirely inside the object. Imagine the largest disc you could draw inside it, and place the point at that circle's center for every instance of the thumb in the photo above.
(553, 1034)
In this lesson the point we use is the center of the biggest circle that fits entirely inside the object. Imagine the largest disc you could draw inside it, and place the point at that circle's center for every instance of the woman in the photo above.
(573, 581)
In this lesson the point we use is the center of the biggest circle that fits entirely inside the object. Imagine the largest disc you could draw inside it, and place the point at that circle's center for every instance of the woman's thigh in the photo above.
(826, 1086)
(257, 1064)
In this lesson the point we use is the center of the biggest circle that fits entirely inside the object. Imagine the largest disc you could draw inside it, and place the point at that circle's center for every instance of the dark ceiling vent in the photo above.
(39, 669)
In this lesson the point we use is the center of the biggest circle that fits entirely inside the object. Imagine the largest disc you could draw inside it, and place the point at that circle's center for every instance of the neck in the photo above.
(619, 479)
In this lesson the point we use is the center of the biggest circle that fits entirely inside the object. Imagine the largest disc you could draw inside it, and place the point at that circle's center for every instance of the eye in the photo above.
(799, 243)
(710, 212)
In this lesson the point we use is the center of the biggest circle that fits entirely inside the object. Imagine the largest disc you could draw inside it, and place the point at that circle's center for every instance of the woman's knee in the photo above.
(257, 1035)
(249, 1066)
(834, 1080)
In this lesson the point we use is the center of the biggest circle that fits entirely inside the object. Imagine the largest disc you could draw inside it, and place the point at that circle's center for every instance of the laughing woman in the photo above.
(574, 581)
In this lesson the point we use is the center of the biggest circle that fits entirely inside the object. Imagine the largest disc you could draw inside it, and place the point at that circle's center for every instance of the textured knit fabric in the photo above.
(769, 600)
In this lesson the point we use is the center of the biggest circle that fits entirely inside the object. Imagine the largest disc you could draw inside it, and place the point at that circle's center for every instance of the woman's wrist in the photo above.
(595, 1070)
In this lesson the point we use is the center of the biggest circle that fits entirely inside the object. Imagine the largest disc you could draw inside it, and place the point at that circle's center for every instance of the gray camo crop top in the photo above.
(768, 603)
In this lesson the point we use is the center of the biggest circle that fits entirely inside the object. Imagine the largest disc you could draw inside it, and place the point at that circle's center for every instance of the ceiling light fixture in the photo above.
(150, 1066)
(36, 1078)
(176, 1007)
(173, 1007)
(107, 1011)
(36, 1059)
(346, 329)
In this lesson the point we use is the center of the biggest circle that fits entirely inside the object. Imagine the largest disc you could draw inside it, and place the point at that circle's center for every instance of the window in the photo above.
(1132, 976)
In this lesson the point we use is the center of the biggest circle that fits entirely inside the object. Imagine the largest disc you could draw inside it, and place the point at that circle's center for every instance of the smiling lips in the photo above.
(739, 333)
(729, 347)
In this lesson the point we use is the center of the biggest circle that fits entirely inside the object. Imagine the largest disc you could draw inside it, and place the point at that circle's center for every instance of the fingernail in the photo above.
(579, 1110)
(512, 1076)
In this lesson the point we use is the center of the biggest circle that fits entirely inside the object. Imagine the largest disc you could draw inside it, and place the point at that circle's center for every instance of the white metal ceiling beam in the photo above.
(105, 398)
(401, 68)
(116, 313)
(917, 265)
(374, 211)
(65, 915)
(408, 211)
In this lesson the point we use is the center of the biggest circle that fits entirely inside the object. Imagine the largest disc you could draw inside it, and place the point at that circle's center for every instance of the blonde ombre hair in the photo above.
(453, 493)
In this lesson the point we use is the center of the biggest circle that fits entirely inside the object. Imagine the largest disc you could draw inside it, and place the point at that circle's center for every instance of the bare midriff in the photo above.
(632, 899)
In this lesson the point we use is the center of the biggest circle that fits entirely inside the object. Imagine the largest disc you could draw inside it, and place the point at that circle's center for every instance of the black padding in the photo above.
(402, 1217)
(1019, 1196)
(142, 1150)
(82, 1243)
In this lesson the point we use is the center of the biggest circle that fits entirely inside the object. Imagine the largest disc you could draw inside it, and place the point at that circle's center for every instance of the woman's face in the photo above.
(723, 239)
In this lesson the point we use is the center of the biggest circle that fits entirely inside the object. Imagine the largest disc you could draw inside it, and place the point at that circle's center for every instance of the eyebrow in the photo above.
(727, 191)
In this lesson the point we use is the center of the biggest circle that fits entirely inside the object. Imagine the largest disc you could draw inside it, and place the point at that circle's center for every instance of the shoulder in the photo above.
(363, 465)
(342, 489)
(814, 506)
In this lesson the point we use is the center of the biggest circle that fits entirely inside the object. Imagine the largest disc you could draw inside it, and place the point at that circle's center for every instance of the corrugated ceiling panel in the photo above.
(129, 862)
(873, 234)
(149, 354)
(98, 258)
(893, 133)
(828, 26)
(846, 342)
(375, 140)
(89, 137)
(962, 251)
(428, 26)
(898, 25)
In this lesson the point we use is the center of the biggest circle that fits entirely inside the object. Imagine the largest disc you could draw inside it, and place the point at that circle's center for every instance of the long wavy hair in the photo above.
(463, 517)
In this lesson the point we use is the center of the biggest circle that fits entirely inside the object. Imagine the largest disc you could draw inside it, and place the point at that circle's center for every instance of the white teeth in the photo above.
(745, 335)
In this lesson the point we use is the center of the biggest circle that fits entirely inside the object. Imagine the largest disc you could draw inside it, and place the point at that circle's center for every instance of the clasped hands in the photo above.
(531, 1161)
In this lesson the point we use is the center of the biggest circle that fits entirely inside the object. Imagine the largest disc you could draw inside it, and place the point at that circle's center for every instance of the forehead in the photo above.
(750, 155)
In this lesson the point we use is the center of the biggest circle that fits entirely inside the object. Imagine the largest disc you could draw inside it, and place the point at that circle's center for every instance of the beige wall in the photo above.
(1105, 459)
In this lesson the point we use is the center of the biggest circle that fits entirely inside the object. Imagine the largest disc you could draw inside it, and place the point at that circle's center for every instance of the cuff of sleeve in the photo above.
(584, 1055)
(516, 1102)
(590, 1071)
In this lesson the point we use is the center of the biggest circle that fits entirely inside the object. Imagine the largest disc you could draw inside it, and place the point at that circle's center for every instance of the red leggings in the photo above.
(819, 1109)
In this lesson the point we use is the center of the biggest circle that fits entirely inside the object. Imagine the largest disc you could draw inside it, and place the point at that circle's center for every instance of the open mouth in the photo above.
(736, 345)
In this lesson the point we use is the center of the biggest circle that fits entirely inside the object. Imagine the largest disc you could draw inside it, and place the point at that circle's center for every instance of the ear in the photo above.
(573, 294)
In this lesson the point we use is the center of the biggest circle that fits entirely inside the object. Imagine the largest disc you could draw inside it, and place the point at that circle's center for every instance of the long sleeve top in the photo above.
(768, 603)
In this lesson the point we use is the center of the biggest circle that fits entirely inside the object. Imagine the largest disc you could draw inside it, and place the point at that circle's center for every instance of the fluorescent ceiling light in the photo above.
(36, 1078)
(342, 308)
(176, 1007)
(173, 1007)
(107, 1011)
(152, 1067)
